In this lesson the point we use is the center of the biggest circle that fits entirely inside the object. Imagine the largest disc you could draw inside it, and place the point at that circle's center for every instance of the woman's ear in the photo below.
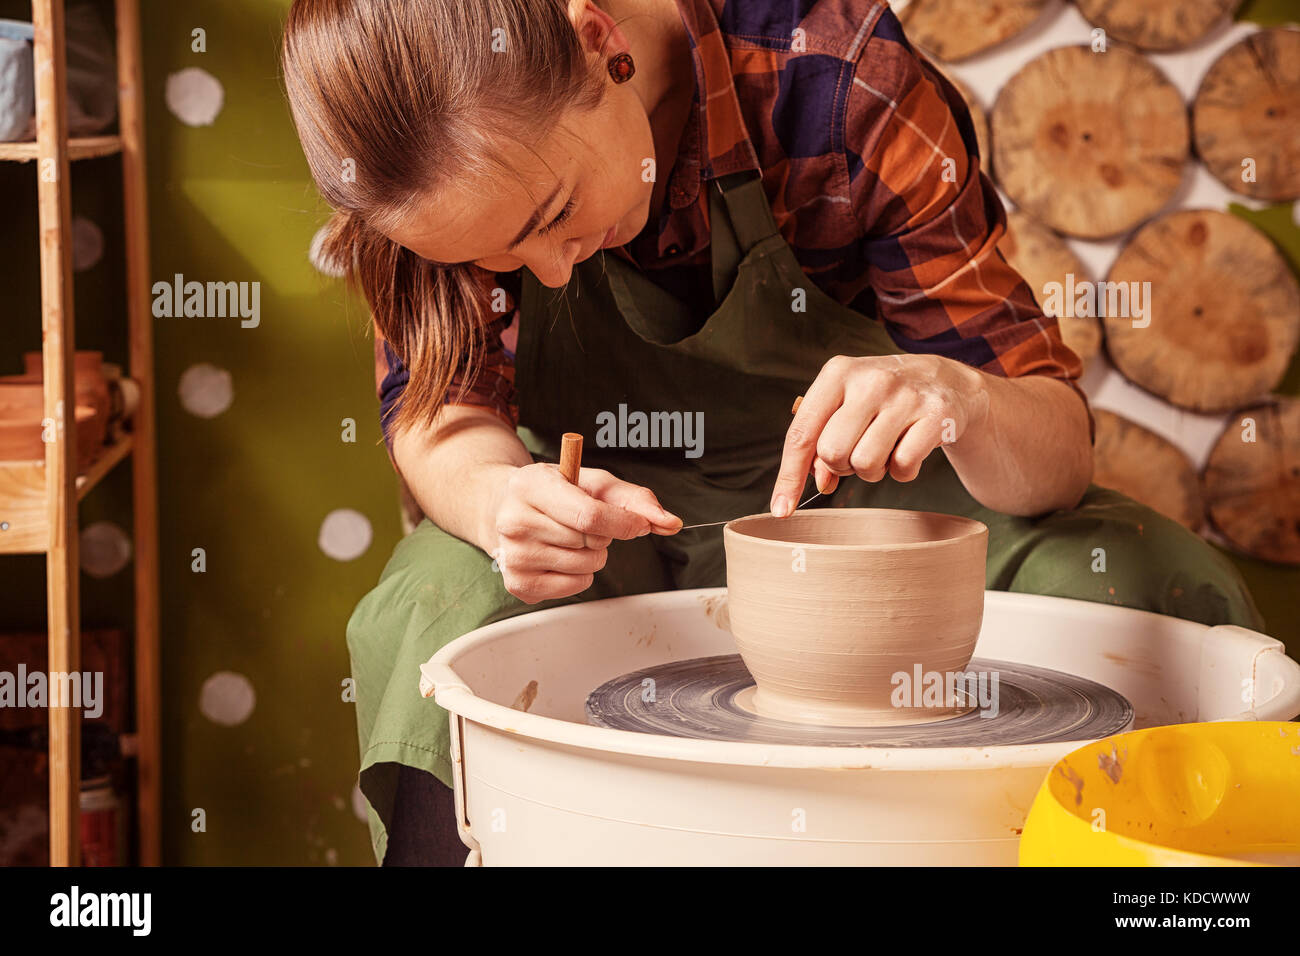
(597, 29)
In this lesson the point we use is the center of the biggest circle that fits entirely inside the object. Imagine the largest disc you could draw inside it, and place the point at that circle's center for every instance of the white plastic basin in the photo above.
(543, 787)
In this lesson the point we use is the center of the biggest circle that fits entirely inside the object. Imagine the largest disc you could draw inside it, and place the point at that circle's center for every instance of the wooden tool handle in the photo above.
(570, 456)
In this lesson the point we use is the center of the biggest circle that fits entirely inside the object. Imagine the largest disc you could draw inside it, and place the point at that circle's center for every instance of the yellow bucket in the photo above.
(1216, 794)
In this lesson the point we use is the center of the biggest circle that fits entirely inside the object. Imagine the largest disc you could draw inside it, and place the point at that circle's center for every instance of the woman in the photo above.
(691, 207)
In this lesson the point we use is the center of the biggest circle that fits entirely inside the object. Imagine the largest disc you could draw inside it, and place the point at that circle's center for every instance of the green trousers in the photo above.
(436, 588)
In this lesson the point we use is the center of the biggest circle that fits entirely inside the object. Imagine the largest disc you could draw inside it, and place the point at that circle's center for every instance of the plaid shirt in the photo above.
(869, 161)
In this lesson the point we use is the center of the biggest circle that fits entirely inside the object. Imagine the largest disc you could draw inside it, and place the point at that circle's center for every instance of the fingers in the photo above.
(548, 586)
(634, 498)
(573, 507)
(914, 447)
(541, 559)
(521, 558)
(825, 479)
(553, 536)
(819, 404)
(869, 459)
(532, 525)
(841, 435)
(899, 451)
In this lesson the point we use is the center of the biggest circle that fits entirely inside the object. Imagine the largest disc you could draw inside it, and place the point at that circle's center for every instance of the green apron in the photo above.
(612, 337)
(737, 364)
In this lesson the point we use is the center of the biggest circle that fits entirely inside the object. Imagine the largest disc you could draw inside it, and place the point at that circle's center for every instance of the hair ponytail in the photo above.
(424, 311)
(408, 95)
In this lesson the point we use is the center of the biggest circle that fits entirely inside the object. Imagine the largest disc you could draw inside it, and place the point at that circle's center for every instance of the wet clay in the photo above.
(829, 607)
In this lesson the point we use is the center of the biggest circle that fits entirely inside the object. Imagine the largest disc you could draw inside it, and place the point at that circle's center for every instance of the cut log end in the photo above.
(1090, 144)
(956, 29)
(1202, 311)
(1251, 482)
(1157, 24)
(1151, 470)
(1246, 116)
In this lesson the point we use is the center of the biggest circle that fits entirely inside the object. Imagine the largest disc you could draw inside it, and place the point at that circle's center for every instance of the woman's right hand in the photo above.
(553, 536)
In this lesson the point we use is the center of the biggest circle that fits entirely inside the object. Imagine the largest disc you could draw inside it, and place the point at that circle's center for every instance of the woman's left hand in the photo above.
(876, 415)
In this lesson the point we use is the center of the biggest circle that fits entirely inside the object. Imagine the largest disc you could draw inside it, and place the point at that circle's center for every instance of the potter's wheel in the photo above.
(577, 794)
(697, 698)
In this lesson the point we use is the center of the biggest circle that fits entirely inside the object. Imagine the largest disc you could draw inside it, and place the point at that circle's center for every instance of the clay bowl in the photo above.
(829, 605)
(22, 408)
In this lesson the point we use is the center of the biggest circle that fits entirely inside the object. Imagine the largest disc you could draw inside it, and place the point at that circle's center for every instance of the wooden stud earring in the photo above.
(621, 67)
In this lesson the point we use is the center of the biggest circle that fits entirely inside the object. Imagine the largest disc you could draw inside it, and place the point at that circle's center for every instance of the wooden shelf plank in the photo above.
(81, 147)
(22, 497)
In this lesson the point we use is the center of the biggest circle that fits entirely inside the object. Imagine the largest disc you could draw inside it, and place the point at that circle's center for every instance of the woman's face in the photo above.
(585, 187)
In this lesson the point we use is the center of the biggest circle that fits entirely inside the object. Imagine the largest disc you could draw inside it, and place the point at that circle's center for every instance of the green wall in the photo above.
(233, 202)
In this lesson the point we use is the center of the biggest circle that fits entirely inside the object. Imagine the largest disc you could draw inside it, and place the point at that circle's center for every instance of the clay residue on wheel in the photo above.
(716, 608)
(526, 697)
(1149, 668)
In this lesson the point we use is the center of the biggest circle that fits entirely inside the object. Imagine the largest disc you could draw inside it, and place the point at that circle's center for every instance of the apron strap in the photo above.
(739, 219)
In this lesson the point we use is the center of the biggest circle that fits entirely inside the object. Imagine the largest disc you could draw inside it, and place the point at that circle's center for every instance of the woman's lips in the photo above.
(609, 237)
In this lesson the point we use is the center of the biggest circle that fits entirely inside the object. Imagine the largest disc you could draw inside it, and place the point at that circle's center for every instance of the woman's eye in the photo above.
(559, 220)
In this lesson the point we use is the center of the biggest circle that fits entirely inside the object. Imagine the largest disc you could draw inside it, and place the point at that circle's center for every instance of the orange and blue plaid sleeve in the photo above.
(931, 221)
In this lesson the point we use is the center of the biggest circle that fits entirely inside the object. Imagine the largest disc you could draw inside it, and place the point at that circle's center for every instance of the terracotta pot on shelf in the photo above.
(88, 368)
(829, 606)
(22, 409)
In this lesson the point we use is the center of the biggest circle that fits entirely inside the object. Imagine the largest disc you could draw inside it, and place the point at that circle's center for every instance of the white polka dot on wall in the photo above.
(324, 264)
(205, 390)
(358, 803)
(227, 698)
(194, 96)
(345, 534)
(87, 244)
(105, 549)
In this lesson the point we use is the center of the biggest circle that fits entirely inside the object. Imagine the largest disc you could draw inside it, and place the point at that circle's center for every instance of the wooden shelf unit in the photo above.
(83, 147)
(24, 515)
(43, 496)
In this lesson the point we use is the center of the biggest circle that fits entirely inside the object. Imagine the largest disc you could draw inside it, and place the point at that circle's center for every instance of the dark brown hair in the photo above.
(392, 99)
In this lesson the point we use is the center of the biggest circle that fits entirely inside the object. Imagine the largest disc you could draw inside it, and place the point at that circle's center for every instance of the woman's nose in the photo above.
(558, 265)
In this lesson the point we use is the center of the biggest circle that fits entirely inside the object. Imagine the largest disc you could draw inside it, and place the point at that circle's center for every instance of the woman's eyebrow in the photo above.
(536, 217)
(533, 222)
